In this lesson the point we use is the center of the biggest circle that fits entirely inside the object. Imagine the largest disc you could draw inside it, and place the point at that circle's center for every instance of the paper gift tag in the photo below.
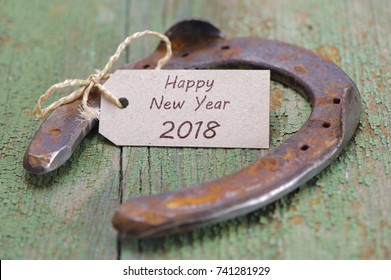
(195, 108)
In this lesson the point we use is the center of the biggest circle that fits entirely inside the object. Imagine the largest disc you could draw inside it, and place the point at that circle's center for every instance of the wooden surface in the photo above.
(344, 213)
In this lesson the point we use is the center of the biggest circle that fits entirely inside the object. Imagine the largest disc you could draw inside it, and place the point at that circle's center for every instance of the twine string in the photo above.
(95, 81)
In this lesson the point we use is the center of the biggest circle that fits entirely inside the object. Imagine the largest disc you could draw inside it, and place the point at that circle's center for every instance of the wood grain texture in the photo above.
(341, 214)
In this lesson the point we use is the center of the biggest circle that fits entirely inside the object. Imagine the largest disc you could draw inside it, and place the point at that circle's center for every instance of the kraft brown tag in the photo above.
(194, 108)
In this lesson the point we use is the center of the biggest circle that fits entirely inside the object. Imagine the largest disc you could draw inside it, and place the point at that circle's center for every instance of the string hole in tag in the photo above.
(124, 102)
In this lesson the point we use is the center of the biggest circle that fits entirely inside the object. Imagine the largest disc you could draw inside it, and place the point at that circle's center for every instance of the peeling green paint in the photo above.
(343, 213)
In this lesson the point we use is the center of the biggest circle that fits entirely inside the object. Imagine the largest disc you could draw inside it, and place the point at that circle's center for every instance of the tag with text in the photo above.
(193, 108)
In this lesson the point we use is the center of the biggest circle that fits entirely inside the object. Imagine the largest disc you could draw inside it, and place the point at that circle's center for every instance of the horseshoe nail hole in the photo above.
(146, 66)
(124, 102)
(305, 147)
(226, 47)
(326, 125)
(336, 100)
(55, 131)
(185, 54)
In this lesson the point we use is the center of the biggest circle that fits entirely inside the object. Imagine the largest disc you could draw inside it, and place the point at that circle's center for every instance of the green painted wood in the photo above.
(66, 214)
(340, 214)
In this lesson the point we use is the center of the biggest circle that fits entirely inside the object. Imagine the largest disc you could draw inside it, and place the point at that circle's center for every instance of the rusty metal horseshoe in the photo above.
(197, 44)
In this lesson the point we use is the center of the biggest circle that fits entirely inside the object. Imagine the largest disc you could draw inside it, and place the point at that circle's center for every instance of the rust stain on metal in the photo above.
(283, 57)
(55, 131)
(330, 53)
(290, 154)
(301, 69)
(271, 164)
(195, 200)
(35, 160)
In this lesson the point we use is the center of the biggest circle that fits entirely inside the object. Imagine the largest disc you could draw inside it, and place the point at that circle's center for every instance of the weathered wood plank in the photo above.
(66, 214)
(343, 212)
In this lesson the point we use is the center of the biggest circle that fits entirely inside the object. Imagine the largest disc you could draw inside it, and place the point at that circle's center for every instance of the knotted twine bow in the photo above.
(95, 81)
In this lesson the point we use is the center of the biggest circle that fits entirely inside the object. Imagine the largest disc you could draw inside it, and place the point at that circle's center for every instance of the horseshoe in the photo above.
(197, 44)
